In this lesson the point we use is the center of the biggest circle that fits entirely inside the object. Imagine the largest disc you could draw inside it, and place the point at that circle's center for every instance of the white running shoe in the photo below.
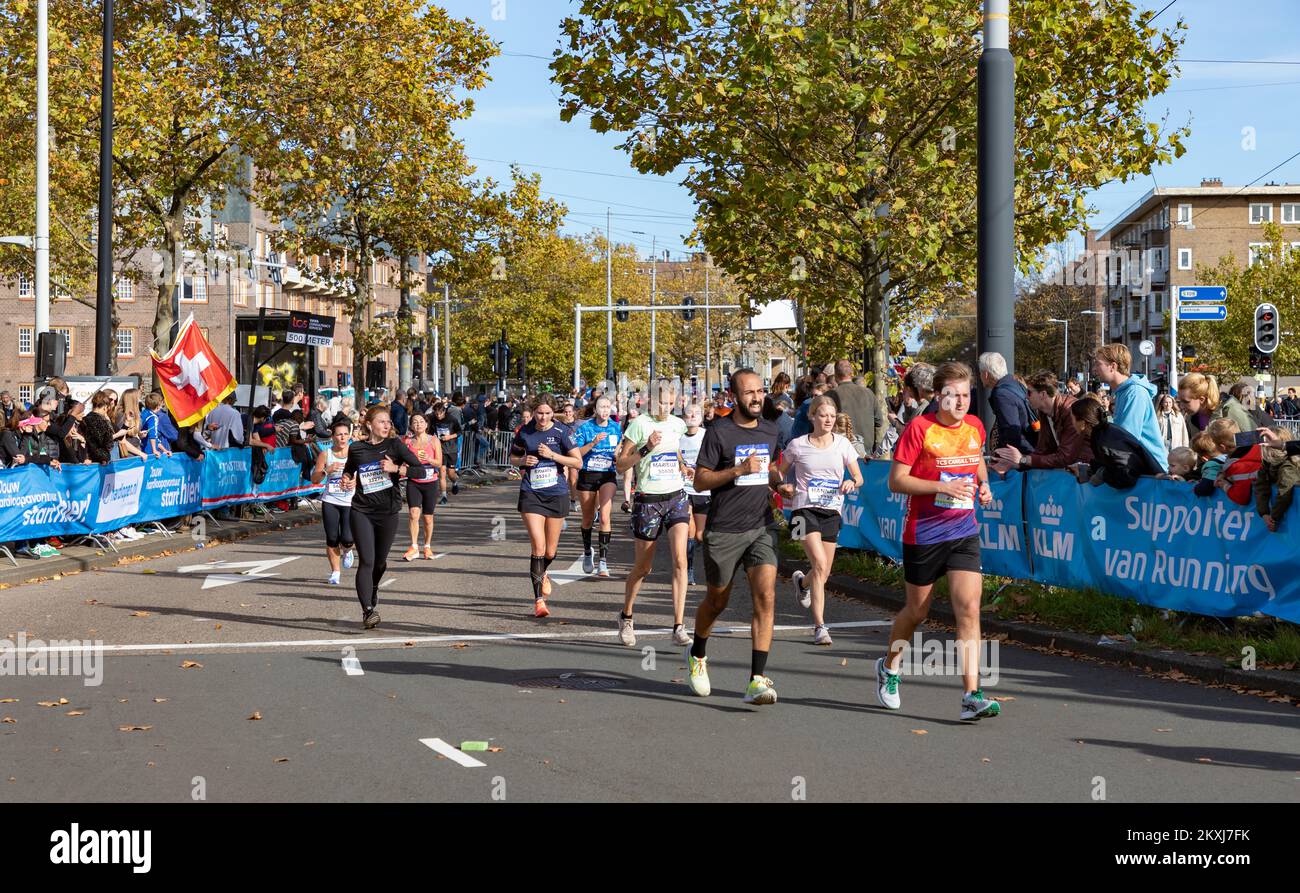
(602, 570)
(698, 668)
(334, 579)
(760, 691)
(887, 686)
(821, 635)
(679, 635)
(588, 561)
(802, 593)
(349, 558)
(626, 634)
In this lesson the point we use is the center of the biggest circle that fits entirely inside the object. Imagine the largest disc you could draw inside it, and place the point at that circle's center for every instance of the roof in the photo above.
(1167, 192)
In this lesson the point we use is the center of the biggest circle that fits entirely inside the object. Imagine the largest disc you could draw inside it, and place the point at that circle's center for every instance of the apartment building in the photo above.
(1156, 245)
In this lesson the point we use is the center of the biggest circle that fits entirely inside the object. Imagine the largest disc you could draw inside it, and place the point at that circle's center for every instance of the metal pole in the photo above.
(433, 355)
(446, 336)
(577, 344)
(609, 300)
(42, 241)
(1174, 359)
(708, 336)
(1066, 363)
(654, 292)
(995, 265)
(104, 273)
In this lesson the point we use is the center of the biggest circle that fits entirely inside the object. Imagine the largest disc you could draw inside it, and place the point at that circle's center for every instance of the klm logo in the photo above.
(1049, 540)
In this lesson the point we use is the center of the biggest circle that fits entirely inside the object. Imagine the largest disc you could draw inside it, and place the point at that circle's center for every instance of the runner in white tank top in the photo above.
(336, 503)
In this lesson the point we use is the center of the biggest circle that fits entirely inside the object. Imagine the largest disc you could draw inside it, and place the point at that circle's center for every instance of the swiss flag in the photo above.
(192, 377)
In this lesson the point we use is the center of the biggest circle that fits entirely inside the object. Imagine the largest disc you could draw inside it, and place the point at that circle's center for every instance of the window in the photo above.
(1184, 215)
(124, 290)
(24, 393)
(1256, 251)
(1261, 213)
(67, 338)
(125, 342)
(194, 290)
(239, 292)
(25, 342)
(1184, 258)
(1158, 301)
(26, 288)
(1291, 212)
(1159, 260)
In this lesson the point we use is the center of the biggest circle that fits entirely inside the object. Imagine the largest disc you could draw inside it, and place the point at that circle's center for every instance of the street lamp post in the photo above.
(1091, 313)
(1065, 362)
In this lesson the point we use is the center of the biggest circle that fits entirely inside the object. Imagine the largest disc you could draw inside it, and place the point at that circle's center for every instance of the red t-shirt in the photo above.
(939, 453)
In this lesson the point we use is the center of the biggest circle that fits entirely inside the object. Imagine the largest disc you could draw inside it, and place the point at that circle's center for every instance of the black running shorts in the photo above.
(924, 564)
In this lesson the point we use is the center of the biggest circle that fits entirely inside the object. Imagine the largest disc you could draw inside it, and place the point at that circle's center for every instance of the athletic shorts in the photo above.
(653, 514)
(422, 496)
(448, 458)
(816, 520)
(550, 505)
(699, 505)
(924, 564)
(591, 481)
(724, 552)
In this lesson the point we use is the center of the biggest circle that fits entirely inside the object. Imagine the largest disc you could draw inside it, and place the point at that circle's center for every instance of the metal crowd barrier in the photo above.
(1291, 423)
(478, 452)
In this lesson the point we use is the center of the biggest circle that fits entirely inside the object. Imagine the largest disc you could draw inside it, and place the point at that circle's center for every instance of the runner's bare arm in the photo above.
(318, 473)
(627, 455)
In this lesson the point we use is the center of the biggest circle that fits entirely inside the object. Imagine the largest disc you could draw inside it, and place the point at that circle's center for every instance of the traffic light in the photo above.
(621, 315)
(1260, 361)
(417, 357)
(504, 369)
(1266, 328)
(688, 308)
(522, 366)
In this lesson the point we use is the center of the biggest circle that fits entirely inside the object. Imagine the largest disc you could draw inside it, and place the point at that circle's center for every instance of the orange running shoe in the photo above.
(411, 554)
(540, 609)
(428, 552)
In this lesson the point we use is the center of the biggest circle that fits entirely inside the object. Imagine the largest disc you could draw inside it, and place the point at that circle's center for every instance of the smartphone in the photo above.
(1247, 438)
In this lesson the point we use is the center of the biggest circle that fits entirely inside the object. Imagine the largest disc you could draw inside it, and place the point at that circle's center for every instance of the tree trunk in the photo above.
(358, 324)
(173, 248)
(404, 374)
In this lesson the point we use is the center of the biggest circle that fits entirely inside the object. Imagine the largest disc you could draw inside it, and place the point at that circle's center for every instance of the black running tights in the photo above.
(374, 536)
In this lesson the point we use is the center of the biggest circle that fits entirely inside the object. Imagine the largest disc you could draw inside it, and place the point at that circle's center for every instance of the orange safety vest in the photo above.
(1241, 474)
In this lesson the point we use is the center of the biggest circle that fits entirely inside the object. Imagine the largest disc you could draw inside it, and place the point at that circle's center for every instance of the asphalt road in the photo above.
(569, 714)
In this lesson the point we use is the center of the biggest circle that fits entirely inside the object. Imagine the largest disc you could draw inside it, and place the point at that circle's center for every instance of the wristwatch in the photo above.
(1023, 463)
(644, 451)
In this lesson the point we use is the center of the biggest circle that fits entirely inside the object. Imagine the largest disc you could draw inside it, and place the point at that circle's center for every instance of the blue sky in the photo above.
(517, 116)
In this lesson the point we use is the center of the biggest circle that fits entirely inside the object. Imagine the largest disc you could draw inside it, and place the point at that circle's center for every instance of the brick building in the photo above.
(1155, 245)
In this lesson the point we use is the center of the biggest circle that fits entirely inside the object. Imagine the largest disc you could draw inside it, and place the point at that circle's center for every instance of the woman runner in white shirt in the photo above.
(335, 502)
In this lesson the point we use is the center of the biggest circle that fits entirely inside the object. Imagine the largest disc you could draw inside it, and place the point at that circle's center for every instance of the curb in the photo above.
(1203, 669)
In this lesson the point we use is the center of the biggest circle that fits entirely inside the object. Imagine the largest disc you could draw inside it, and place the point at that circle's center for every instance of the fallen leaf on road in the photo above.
(191, 665)
(75, 713)
(461, 645)
(919, 732)
(282, 759)
(1078, 741)
(150, 765)
(134, 728)
(148, 570)
(985, 760)
(257, 714)
(562, 701)
(679, 680)
(844, 662)
(121, 700)
(495, 749)
(9, 719)
(1007, 698)
(242, 605)
(1164, 730)
(218, 626)
(91, 601)
(408, 644)
(140, 613)
(159, 700)
(394, 697)
(8, 700)
(57, 703)
(308, 743)
(1204, 760)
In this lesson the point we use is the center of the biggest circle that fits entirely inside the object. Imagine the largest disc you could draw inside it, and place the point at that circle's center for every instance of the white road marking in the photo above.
(256, 570)
(387, 582)
(570, 575)
(437, 745)
(197, 647)
(352, 667)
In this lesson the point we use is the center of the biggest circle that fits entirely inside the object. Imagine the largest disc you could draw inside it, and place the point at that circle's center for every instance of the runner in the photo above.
(818, 461)
(422, 495)
(652, 444)
(939, 467)
(735, 464)
(335, 502)
(568, 421)
(372, 471)
(597, 438)
(447, 430)
(540, 447)
(691, 441)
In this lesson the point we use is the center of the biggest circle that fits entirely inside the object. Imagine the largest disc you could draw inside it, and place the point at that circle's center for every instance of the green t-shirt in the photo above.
(658, 472)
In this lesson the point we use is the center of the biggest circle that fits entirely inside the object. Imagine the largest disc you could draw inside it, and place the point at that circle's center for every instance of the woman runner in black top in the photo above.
(372, 471)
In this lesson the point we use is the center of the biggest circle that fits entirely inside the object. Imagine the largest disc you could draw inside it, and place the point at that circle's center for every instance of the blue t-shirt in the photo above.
(547, 477)
(605, 437)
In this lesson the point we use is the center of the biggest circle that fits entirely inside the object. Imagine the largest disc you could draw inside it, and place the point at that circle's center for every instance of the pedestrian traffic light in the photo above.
(688, 308)
(1260, 361)
(621, 315)
(1266, 328)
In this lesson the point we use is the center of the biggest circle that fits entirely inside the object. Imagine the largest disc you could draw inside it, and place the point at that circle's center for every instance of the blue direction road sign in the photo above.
(1215, 294)
(1202, 312)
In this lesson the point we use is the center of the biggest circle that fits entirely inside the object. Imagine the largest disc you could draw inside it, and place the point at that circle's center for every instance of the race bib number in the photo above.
(664, 468)
(600, 463)
(824, 492)
(613, 440)
(334, 485)
(443, 432)
(543, 477)
(950, 502)
(758, 478)
(373, 478)
(430, 474)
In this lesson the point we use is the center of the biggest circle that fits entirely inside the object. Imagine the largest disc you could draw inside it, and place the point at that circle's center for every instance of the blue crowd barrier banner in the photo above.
(228, 478)
(1003, 550)
(873, 517)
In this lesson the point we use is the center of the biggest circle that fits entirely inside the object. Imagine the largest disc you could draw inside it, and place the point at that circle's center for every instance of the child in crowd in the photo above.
(1214, 445)
(1183, 465)
(1276, 468)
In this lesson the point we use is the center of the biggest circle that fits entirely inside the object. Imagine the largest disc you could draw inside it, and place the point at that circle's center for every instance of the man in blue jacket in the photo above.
(1135, 410)
(1010, 404)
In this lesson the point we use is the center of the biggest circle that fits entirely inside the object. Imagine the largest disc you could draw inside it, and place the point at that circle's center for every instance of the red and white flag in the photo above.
(193, 379)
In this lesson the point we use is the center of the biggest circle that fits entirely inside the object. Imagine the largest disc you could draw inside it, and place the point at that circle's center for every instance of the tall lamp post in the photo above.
(1065, 361)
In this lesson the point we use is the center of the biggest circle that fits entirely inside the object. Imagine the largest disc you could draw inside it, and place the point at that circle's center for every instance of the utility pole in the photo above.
(609, 299)
(42, 241)
(446, 337)
(404, 371)
(654, 293)
(104, 273)
(995, 263)
(708, 335)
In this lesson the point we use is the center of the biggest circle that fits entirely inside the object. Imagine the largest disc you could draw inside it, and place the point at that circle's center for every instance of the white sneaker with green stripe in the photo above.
(887, 687)
(975, 706)
(760, 691)
(699, 674)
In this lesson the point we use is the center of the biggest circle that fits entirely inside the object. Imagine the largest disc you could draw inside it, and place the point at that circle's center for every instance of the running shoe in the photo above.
(444, 500)
(334, 579)
(455, 488)
(349, 558)
(428, 553)
(626, 634)
(975, 706)
(802, 593)
(540, 609)
(821, 635)
(565, 524)
(26, 552)
(602, 570)
(370, 619)
(131, 533)
(760, 691)
(573, 506)
(411, 554)
(690, 576)
(546, 585)
(679, 635)
(699, 674)
(588, 561)
(47, 551)
(887, 687)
